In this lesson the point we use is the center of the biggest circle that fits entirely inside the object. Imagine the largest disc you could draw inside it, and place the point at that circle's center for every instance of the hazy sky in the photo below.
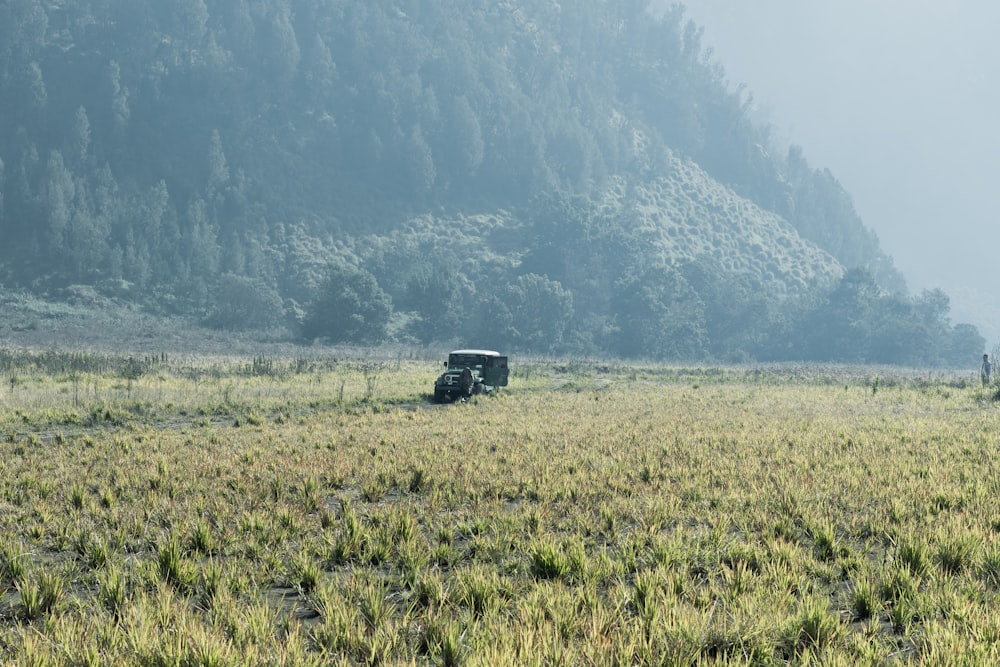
(899, 99)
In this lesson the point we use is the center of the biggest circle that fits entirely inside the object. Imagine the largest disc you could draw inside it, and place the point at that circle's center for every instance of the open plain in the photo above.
(316, 511)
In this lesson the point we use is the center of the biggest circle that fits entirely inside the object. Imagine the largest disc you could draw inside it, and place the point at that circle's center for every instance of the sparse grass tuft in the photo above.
(814, 628)
(173, 568)
(956, 553)
(113, 591)
(548, 561)
(914, 555)
(41, 592)
(865, 601)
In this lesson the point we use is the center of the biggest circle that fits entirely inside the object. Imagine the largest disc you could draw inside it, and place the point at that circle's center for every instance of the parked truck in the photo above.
(469, 372)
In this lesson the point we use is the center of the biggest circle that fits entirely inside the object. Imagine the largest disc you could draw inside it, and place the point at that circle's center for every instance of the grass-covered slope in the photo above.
(689, 216)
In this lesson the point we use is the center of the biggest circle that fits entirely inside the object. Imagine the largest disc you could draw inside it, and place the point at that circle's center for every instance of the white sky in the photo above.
(899, 98)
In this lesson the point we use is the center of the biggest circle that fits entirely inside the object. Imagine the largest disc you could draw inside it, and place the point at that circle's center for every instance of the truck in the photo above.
(469, 372)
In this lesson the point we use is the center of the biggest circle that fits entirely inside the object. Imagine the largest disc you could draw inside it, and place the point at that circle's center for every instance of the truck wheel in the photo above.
(438, 396)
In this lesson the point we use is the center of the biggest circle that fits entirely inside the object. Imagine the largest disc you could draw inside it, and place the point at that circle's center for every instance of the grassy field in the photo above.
(321, 511)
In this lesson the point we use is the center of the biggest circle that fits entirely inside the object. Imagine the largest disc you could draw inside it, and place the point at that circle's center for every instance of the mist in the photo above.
(898, 100)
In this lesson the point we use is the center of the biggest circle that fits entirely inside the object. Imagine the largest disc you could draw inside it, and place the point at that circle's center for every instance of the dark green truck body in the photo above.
(488, 370)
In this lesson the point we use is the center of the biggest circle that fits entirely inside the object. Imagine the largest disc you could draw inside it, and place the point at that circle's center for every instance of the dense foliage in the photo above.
(216, 157)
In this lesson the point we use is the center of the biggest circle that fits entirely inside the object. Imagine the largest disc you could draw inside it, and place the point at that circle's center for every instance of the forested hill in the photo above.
(525, 174)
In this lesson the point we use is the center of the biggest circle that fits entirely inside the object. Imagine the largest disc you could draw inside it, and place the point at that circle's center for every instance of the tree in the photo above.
(541, 310)
(896, 334)
(60, 191)
(183, 20)
(119, 95)
(659, 316)
(840, 329)
(218, 169)
(244, 303)
(278, 43)
(23, 24)
(80, 146)
(202, 249)
(434, 291)
(3, 229)
(350, 308)
(418, 163)
(964, 346)
(320, 69)
(463, 141)
(737, 309)
(35, 84)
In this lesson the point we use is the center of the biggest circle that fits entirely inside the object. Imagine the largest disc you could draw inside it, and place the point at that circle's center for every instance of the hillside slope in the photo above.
(548, 179)
(689, 217)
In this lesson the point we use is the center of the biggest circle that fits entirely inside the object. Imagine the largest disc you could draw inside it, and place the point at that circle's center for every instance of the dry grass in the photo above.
(322, 512)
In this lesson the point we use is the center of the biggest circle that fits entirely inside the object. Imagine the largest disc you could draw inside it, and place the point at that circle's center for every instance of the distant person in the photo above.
(467, 381)
(986, 370)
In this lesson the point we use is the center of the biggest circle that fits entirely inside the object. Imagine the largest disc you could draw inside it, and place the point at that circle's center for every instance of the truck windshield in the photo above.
(463, 360)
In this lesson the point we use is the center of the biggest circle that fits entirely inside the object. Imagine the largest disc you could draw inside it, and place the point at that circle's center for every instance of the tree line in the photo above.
(593, 292)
